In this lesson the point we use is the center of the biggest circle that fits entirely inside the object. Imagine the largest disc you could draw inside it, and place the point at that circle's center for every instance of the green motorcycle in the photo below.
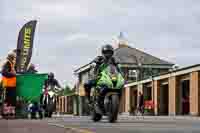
(111, 79)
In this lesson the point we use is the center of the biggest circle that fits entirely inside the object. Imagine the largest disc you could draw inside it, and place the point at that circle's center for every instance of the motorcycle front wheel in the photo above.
(95, 116)
(113, 108)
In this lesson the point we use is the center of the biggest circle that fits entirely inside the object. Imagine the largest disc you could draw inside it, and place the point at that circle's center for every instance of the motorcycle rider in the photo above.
(51, 82)
(106, 58)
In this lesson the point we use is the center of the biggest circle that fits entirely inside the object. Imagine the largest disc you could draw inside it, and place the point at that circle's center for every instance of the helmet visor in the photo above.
(108, 53)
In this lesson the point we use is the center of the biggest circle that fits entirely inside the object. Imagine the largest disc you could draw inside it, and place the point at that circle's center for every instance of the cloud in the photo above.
(70, 33)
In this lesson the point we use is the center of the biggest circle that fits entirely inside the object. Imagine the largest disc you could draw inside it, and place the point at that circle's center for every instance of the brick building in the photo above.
(174, 93)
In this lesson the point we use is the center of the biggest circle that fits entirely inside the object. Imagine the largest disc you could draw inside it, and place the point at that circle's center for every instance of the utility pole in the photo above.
(138, 67)
(138, 70)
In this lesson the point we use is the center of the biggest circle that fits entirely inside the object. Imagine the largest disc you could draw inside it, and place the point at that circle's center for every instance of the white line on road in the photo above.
(71, 128)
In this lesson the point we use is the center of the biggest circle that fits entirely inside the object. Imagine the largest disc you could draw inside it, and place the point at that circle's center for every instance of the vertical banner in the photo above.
(25, 46)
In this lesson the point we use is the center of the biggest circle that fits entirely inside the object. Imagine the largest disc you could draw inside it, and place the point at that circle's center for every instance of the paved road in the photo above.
(28, 126)
(85, 125)
(127, 125)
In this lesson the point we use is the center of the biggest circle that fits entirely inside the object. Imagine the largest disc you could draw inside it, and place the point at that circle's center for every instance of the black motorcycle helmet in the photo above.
(51, 75)
(107, 51)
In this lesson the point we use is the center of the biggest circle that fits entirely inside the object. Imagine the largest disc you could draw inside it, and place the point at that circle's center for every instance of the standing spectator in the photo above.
(9, 79)
(31, 69)
(141, 102)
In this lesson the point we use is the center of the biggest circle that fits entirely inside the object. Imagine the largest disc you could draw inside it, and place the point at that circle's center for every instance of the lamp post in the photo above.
(152, 79)
(153, 89)
(138, 71)
(138, 67)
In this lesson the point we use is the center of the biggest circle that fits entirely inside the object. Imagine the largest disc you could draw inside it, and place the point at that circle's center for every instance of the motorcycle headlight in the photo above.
(114, 78)
(51, 93)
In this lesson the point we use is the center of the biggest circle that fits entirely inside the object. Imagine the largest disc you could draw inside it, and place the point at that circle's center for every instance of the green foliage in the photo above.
(66, 91)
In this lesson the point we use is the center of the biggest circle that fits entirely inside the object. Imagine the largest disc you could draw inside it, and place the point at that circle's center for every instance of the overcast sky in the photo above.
(70, 32)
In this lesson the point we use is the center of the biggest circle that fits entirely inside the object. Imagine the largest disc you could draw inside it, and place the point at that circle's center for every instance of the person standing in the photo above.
(31, 69)
(141, 103)
(9, 79)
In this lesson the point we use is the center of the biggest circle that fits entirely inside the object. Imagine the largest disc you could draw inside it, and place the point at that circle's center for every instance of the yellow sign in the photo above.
(27, 44)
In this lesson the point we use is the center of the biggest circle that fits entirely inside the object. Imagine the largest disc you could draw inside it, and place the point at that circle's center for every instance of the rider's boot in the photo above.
(99, 107)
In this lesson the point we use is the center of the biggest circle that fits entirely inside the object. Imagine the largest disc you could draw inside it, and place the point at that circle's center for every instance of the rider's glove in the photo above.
(98, 60)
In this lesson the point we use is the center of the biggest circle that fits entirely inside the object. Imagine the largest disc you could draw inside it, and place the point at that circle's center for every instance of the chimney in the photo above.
(122, 42)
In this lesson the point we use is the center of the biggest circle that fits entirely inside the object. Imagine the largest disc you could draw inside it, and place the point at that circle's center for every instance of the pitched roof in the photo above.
(129, 55)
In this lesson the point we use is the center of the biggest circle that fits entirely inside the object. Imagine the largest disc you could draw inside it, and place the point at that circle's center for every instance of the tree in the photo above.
(66, 91)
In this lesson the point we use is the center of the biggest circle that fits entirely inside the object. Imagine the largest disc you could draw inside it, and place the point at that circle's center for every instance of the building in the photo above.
(174, 93)
(136, 65)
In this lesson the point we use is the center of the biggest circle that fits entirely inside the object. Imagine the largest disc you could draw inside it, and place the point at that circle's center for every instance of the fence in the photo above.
(64, 104)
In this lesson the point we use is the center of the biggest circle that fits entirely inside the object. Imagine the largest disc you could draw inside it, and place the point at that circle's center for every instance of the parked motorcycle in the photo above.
(110, 82)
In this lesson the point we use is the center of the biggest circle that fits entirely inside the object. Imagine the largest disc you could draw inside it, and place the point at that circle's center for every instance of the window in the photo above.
(146, 74)
(84, 77)
(132, 73)
(91, 74)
